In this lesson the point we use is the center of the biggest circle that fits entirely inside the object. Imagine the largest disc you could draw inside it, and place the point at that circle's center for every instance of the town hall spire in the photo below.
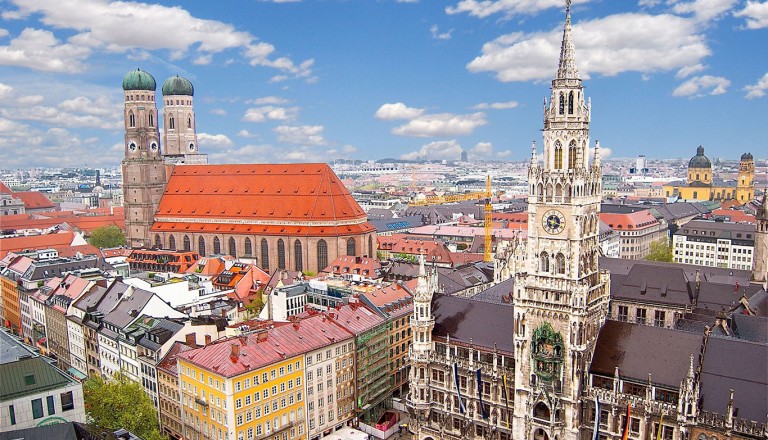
(567, 68)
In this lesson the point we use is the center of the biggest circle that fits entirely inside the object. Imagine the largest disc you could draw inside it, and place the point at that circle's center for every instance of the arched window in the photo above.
(558, 155)
(264, 254)
(370, 246)
(216, 246)
(280, 254)
(572, 155)
(131, 119)
(187, 243)
(322, 255)
(248, 247)
(351, 245)
(201, 246)
(158, 241)
(171, 123)
(562, 104)
(561, 264)
(544, 262)
(541, 411)
(172, 243)
(232, 247)
(297, 256)
(151, 119)
(570, 103)
(189, 121)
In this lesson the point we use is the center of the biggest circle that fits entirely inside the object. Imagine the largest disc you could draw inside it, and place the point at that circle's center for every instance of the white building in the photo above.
(715, 244)
(34, 392)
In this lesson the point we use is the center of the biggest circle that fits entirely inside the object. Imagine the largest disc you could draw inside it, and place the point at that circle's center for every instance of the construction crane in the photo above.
(478, 195)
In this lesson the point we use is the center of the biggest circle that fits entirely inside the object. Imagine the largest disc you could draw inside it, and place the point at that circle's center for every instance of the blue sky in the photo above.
(315, 80)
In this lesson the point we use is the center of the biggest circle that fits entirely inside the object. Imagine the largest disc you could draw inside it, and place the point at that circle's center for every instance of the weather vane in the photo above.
(567, 5)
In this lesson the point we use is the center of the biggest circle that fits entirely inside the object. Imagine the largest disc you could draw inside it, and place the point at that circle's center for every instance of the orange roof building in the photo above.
(288, 216)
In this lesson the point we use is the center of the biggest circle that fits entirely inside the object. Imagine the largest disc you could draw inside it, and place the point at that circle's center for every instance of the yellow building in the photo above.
(701, 183)
(251, 387)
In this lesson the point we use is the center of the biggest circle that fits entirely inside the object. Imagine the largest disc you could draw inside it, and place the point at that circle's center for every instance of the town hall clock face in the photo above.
(554, 222)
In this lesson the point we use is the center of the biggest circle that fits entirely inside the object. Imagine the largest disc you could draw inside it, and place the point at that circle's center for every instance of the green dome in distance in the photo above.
(177, 85)
(139, 80)
(700, 160)
(747, 156)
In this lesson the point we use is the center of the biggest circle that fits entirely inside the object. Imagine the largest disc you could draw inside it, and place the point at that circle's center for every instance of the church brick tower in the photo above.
(760, 262)
(745, 186)
(143, 168)
(179, 135)
(561, 298)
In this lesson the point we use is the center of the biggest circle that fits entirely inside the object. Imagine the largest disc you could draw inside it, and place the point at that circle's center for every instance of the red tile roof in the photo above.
(261, 349)
(734, 215)
(34, 200)
(393, 294)
(168, 363)
(346, 264)
(4, 189)
(259, 199)
(83, 222)
(33, 242)
(632, 221)
(403, 244)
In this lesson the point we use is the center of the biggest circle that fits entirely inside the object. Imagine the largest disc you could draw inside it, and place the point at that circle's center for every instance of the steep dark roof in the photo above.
(738, 365)
(660, 285)
(60, 431)
(622, 266)
(638, 350)
(465, 319)
(500, 293)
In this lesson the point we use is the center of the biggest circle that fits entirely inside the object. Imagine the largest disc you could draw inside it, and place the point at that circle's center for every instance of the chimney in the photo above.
(244, 340)
(262, 336)
(235, 354)
(223, 313)
(190, 339)
(207, 340)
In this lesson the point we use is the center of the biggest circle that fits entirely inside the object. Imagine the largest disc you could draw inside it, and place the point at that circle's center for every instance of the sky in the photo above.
(318, 80)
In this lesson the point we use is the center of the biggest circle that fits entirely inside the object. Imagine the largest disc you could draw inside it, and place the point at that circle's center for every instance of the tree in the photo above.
(119, 402)
(255, 306)
(661, 250)
(107, 237)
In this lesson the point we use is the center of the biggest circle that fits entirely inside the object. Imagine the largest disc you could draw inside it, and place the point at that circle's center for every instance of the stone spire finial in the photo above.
(534, 159)
(597, 153)
(567, 68)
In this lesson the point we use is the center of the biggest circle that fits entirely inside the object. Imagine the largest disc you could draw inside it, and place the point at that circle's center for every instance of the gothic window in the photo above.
(370, 246)
(562, 104)
(322, 255)
(232, 247)
(172, 243)
(544, 262)
(187, 244)
(570, 103)
(171, 123)
(297, 256)
(201, 246)
(351, 246)
(189, 121)
(216, 246)
(248, 247)
(131, 119)
(264, 254)
(561, 264)
(158, 241)
(541, 411)
(280, 254)
(151, 119)
(558, 155)
(572, 155)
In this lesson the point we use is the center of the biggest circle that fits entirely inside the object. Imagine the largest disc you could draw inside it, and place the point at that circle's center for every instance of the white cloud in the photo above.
(509, 8)
(398, 110)
(6, 91)
(270, 113)
(442, 124)
(218, 112)
(101, 106)
(22, 146)
(268, 100)
(40, 50)
(756, 14)
(605, 153)
(758, 89)
(251, 153)
(246, 134)
(496, 105)
(437, 35)
(448, 150)
(482, 149)
(504, 154)
(689, 70)
(704, 10)
(698, 85)
(112, 26)
(344, 152)
(214, 140)
(605, 45)
(300, 134)
(30, 100)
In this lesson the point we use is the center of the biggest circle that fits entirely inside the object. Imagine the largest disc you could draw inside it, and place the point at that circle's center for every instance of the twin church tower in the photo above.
(145, 170)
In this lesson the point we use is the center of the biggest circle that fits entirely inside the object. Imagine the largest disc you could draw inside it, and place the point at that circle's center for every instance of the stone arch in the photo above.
(351, 246)
(248, 247)
(322, 255)
(541, 411)
(232, 247)
(187, 243)
(201, 246)
(264, 254)
(158, 241)
(172, 243)
(216, 246)
(544, 262)
(281, 254)
(298, 256)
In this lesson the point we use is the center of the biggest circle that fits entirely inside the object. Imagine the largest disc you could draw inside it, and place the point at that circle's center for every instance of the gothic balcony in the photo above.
(422, 324)
(741, 426)
(621, 400)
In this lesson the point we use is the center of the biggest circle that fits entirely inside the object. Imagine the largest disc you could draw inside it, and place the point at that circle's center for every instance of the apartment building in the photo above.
(715, 244)
(637, 230)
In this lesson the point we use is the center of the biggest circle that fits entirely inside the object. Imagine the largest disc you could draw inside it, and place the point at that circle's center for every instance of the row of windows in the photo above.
(67, 404)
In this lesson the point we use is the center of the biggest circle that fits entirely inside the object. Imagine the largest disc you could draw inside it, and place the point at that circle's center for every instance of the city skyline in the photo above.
(314, 81)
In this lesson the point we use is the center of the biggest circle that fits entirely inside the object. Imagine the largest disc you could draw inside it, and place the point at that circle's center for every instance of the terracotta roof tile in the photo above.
(34, 200)
(635, 220)
(271, 193)
(4, 189)
(31, 242)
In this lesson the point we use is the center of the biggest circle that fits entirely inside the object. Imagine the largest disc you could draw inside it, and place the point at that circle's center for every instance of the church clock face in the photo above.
(554, 221)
